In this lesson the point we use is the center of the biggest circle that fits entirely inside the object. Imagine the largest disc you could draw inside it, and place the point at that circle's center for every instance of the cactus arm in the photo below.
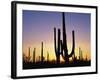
(57, 49)
(58, 41)
(73, 45)
(55, 39)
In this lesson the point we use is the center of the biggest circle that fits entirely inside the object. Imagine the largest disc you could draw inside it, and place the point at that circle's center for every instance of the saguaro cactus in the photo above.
(62, 44)
(64, 38)
(57, 49)
(66, 57)
(42, 52)
(34, 55)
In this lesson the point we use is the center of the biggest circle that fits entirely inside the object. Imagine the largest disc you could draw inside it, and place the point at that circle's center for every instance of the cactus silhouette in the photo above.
(42, 58)
(34, 55)
(57, 49)
(62, 44)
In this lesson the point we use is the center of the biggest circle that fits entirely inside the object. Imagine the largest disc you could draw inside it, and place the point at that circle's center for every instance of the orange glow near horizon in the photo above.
(50, 48)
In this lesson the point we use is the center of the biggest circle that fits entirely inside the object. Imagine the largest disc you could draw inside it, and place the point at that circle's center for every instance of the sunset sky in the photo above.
(39, 26)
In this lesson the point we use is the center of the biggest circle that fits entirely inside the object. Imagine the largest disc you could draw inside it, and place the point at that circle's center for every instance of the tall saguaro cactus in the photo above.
(42, 52)
(62, 44)
(64, 38)
(34, 55)
(57, 49)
